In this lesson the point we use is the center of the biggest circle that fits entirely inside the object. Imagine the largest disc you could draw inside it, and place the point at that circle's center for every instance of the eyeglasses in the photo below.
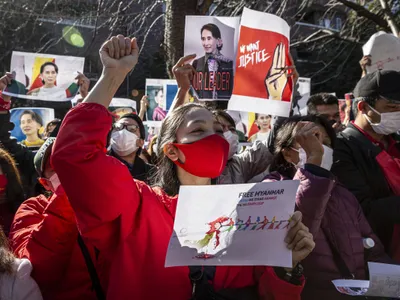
(120, 126)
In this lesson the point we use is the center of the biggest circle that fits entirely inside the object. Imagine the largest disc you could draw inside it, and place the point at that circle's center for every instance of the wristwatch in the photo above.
(293, 277)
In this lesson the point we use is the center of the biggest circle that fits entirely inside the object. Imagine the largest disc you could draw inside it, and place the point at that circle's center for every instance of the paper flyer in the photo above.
(122, 106)
(161, 93)
(214, 41)
(301, 95)
(260, 83)
(44, 77)
(241, 224)
(384, 282)
(384, 49)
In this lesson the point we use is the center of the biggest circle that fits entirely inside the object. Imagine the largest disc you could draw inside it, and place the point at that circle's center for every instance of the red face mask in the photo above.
(3, 183)
(206, 157)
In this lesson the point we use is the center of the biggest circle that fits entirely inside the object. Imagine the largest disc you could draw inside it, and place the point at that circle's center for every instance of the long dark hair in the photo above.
(166, 176)
(286, 137)
(6, 257)
(14, 191)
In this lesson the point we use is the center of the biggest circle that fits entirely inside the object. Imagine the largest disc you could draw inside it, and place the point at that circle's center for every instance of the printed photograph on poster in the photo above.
(30, 123)
(302, 93)
(261, 82)
(242, 224)
(122, 106)
(45, 77)
(161, 94)
(151, 131)
(214, 41)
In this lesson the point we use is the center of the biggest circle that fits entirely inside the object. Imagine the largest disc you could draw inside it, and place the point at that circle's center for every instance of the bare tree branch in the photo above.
(389, 17)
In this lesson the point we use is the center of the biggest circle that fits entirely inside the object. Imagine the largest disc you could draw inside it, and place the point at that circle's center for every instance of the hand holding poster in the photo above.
(241, 224)
(214, 41)
(384, 282)
(44, 76)
(384, 49)
(261, 83)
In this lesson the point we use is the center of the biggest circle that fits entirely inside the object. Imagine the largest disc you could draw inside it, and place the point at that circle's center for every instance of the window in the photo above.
(338, 23)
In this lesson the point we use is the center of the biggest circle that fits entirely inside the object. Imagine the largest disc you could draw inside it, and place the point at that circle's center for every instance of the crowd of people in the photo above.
(90, 214)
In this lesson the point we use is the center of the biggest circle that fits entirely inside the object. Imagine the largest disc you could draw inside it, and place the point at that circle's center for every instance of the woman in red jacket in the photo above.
(332, 213)
(131, 223)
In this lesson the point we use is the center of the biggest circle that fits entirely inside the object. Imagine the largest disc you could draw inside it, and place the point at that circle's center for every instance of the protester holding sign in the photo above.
(303, 151)
(116, 213)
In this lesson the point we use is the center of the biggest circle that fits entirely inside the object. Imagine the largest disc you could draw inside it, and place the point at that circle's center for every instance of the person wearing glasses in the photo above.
(126, 143)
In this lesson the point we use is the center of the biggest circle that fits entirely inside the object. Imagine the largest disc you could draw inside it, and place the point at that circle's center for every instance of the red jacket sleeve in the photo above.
(99, 187)
(312, 198)
(44, 231)
(271, 287)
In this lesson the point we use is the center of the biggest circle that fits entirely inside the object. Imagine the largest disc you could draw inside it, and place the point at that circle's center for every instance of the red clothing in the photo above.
(45, 232)
(392, 149)
(159, 114)
(128, 221)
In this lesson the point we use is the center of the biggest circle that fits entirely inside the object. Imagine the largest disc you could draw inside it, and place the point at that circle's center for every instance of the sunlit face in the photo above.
(199, 123)
(330, 112)
(159, 98)
(49, 76)
(381, 106)
(29, 126)
(264, 122)
(209, 42)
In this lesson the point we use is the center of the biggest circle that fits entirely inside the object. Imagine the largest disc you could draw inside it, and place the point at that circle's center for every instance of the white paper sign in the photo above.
(384, 49)
(241, 224)
(304, 93)
(384, 282)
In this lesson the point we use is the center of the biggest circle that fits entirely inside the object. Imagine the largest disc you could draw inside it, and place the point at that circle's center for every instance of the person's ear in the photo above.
(44, 183)
(171, 152)
(219, 42)
(362, 106)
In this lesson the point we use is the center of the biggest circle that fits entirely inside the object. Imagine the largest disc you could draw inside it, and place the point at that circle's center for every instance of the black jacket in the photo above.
(140, 170)
(22, 155)
(356, 167)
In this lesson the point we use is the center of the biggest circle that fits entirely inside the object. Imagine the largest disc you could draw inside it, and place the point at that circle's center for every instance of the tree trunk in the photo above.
(174, 34)
(389, 17)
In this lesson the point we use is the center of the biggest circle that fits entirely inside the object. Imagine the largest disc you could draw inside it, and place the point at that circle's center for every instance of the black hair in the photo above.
(286, 137)
(55, 123)
(6, 257)
(371, 101)
(223, 114)
(320, 99)
(216, 33)
(14, 190)
(257, 115)
(166, 176)
(35, 116)
(49, 63)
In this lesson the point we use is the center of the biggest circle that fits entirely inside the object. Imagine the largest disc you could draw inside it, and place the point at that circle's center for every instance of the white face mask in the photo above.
(327, 158)
(233, 141)
(123, 142)
(390, 122)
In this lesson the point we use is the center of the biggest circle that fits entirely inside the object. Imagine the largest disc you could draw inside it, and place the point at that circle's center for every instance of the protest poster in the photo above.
(30, 123)
(261, 84)
(44, 77)
(384, 282)
(384, 49)
(214, 41)
(160, 94)
(122, 106)
(241, 224)
(301, 95)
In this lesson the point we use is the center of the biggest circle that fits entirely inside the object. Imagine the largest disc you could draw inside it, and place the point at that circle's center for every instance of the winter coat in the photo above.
(131, 223)
(335, 218)
(45, 232)
(241, 168)
(19, 285)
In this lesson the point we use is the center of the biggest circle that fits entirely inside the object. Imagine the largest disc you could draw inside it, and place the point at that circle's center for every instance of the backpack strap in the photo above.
(339, 262)
(91, 269)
